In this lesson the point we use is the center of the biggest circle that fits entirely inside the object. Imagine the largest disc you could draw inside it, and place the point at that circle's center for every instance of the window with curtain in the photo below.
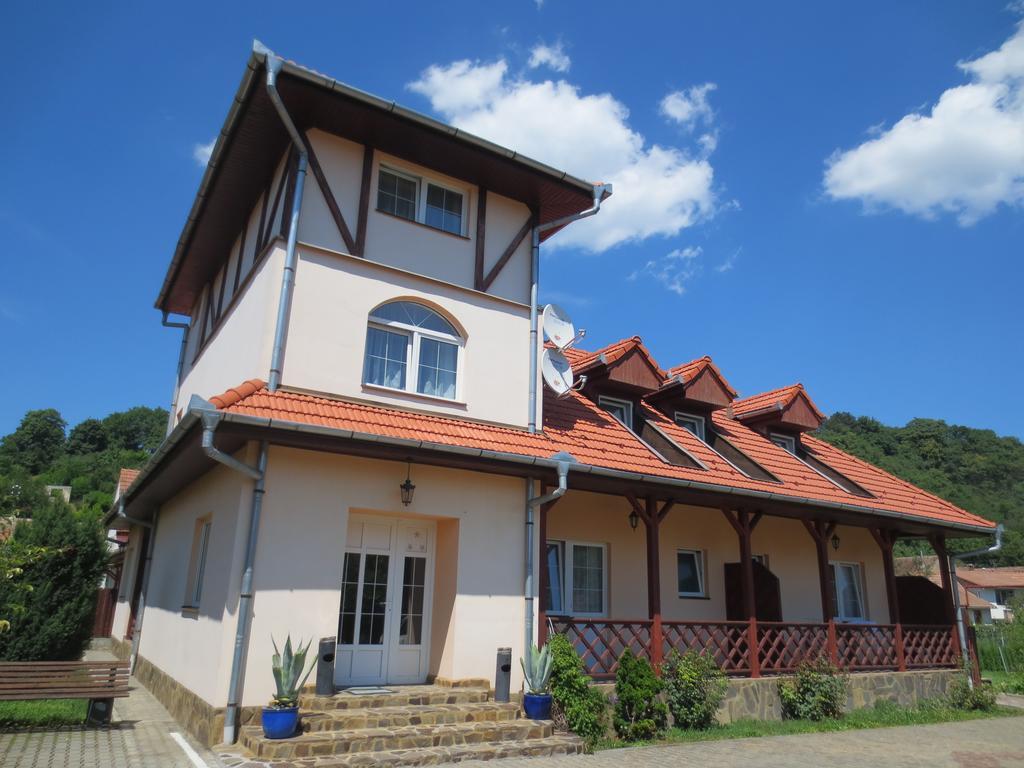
(413, 348)
(577, 578)
(848, 591)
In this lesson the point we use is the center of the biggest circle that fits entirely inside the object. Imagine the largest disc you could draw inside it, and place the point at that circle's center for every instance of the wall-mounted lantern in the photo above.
(634, 519)
(407, 488)
(835, 542)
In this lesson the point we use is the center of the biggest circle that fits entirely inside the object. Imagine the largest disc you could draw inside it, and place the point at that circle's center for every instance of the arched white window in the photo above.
(412, 348)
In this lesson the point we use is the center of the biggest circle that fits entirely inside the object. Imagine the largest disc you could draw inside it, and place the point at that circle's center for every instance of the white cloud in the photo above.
(659, 190)
(730, 263)
(201, 152)
(552, 56)
(689, 107)
(965, 157)
(675, 270)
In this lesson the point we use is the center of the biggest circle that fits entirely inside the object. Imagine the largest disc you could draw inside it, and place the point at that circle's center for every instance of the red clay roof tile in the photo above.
(773, 399)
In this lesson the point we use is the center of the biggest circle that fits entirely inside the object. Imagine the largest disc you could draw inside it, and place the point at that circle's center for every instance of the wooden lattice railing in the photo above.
(781, 646)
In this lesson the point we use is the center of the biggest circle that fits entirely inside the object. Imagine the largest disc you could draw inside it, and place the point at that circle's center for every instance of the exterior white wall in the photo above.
(241, 347)
(334, 295)
(406, 245)
(195, 648)
(302, 540)
(129, 571)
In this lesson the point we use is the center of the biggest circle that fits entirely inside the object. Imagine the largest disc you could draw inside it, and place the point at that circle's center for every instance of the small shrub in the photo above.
(695, 687)
(639, 713)
(1014, 684)
(816, 692)
(578, 706)
(981, 698)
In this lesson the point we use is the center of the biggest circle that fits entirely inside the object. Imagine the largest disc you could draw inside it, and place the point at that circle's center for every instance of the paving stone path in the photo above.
(139, 738)
(995, 743)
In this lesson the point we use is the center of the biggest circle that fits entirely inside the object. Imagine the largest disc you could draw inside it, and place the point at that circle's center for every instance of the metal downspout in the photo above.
(961, 630)
(564, 460)
(284, 306)
(185, 327)
(600, 191)
(211, 419)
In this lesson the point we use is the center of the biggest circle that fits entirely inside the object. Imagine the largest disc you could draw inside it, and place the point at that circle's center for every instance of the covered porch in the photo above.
(761, 588)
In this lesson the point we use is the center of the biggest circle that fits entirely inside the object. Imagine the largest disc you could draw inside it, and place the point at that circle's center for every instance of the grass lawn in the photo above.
(883, 716)
(43, 713)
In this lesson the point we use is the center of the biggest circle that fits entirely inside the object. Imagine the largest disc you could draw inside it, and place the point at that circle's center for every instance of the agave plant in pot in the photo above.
(281, 717)
(537, 675)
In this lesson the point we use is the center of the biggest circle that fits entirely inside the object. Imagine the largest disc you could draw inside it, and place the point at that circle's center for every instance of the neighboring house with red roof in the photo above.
(361, 449)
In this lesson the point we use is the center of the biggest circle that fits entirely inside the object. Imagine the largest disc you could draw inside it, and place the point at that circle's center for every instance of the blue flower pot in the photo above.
(537, 705)
(280, 723)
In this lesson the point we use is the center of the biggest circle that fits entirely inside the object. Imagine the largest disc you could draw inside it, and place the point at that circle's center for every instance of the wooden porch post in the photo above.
(652, 517)
(938, 542)
(821, 532)
(744, 525)
(886, 539)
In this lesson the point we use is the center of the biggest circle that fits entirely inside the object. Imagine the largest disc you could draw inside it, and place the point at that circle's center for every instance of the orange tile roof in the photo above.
(613, 352)
(125, 479)
(694, 368)
(579, 426)
(1011, 577)
(777, 399)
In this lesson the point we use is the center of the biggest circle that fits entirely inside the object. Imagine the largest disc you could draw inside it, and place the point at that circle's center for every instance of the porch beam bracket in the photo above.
(509, 251)
(639, 508)
(332, 203)
(665, 509)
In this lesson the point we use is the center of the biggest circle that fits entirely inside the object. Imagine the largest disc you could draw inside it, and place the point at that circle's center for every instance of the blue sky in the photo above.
(827, 193)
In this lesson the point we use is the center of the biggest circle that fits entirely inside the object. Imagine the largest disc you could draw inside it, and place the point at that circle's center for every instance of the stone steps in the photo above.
(374, 741)
(397, 716)
(402, 696)
(406, 758)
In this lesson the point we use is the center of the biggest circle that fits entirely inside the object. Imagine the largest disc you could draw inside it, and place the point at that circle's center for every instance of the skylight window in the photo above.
(692, 422)
(785, 442)
(622, 410)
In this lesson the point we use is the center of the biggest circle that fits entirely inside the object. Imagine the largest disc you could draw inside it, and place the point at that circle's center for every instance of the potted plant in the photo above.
(281, 717)
(537, 673)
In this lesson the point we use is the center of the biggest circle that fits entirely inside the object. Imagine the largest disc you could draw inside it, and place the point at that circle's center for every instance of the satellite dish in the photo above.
(558, 327)
(557, 371)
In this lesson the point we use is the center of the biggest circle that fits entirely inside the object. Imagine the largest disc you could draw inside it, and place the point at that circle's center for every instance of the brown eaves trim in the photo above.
(255, 64)
(192, 417)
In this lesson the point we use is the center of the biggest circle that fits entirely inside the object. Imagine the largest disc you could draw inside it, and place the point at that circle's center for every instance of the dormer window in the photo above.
(785, 442)
(412, 348)
(692, 422)
(620, 409)
(421, 200)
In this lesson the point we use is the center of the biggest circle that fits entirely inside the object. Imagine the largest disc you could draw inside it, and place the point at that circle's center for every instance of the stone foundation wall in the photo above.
(122, 649)
(759, 699)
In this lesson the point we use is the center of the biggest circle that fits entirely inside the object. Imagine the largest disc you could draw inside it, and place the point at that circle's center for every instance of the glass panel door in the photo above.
(410, 630)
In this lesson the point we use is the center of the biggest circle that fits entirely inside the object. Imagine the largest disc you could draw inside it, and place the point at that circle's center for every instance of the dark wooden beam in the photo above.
(281, 184)
(665, 509)
(238, 261)
(481, 226)
(543, 581)
(821, 532)
(223, 274)
(332, 203)
(938, 542)
(652, 523)
(509, 251)
(261, 227)
(364, 200)
(886, 539)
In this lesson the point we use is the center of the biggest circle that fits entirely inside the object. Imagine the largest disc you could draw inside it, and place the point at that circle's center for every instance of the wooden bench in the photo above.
(98, 681)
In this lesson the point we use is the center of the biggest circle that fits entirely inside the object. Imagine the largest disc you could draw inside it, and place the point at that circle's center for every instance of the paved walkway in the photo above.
(995, 743)
(140, 737)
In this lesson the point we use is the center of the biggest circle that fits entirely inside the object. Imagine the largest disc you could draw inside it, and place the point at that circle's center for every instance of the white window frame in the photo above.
(420, 212)
(568, 609)
(602, 400)
(197, 562)
(699, 421)
(414, 334)
(858, 583)
(702, 580)
(778, 439)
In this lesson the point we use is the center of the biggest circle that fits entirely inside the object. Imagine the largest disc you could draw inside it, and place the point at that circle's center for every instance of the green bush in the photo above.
(1014, 684)
(639, 713)
(55, 593)
(578, 706)
(694, 687)
(961, 695)
(816, 692)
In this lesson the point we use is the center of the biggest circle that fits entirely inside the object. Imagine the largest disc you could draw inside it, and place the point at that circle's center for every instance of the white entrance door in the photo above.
(384, 621)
